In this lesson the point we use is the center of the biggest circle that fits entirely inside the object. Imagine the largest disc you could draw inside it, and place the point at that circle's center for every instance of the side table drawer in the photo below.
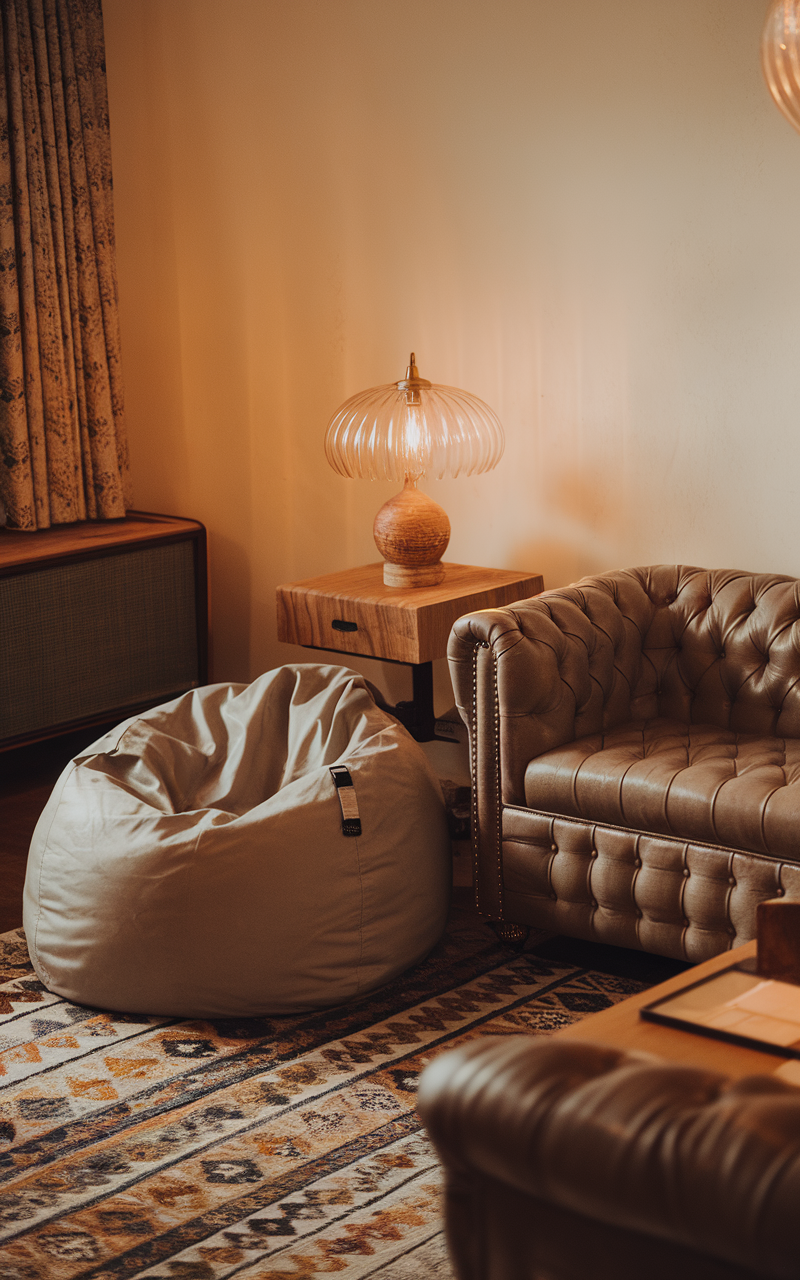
(346, 626)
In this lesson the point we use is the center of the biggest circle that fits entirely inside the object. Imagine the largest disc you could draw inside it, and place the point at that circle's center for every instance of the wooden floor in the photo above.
(27, 776)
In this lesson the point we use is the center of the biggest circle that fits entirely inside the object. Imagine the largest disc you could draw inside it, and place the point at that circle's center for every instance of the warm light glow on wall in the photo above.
(595, 242)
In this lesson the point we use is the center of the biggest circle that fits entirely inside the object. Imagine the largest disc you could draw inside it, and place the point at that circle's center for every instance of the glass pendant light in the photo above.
(404, 431)
(780, 57)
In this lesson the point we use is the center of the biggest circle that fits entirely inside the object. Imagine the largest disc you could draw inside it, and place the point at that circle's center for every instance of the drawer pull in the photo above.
(339, 624)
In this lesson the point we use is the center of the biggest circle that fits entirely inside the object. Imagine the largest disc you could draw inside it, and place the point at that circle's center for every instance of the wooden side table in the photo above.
(354, 612)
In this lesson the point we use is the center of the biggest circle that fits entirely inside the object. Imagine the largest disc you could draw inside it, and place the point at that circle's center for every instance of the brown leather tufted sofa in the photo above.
(635, 745)
(571, 1161)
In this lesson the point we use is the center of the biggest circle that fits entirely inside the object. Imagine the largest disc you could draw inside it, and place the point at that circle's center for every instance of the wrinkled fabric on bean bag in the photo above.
(192, 862)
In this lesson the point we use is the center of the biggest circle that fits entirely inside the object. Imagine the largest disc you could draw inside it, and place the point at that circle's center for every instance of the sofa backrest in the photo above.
(713, 646)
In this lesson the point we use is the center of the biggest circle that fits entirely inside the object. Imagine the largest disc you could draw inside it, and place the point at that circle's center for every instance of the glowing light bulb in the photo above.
(413, 451)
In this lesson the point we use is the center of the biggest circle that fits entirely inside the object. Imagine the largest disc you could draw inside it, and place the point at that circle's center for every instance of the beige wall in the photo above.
(584, 212)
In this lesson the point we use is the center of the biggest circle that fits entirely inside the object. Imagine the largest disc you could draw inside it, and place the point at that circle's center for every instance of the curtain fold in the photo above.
(63, 449)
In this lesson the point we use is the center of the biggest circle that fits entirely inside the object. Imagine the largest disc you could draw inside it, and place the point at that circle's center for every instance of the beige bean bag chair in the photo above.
(195, 861)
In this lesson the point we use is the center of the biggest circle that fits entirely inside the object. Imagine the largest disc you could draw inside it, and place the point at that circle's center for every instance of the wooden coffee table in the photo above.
(623, 1028)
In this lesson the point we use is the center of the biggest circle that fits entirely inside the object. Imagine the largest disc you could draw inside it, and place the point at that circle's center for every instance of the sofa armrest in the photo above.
(564, 666)
(528, 678)
(505, 665)
(666, 1150)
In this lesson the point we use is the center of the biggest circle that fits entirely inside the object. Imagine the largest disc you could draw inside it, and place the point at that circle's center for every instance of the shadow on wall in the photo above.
(229, 583)
(592, 499)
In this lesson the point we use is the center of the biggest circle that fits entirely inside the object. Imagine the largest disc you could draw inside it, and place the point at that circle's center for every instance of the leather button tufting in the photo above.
(701, 769)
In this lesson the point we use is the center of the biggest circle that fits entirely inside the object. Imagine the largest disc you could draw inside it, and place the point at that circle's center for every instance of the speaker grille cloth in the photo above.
(82, 639)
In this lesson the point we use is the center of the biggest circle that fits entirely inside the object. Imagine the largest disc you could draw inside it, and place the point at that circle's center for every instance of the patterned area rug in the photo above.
(260, 1148)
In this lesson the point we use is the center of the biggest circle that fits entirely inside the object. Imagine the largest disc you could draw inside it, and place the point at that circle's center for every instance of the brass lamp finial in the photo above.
(412, 382)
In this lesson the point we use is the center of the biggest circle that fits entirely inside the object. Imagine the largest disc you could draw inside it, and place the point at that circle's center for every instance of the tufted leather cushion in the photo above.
(672, 1152)
(692, 781)
(674, 897)
(708, 647)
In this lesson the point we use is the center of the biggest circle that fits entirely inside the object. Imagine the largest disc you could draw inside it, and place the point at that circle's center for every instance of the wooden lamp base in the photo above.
(411, 532)
(406, 575)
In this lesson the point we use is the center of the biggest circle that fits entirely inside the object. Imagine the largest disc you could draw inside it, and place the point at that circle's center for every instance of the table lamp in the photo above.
(404, 431)
(780, 57)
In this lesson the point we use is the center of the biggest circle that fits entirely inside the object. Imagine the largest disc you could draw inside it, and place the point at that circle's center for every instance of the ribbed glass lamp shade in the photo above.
(407, 430)
(780, 57)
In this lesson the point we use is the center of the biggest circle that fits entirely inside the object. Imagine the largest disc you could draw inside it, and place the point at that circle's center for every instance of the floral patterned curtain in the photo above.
(63, 451)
